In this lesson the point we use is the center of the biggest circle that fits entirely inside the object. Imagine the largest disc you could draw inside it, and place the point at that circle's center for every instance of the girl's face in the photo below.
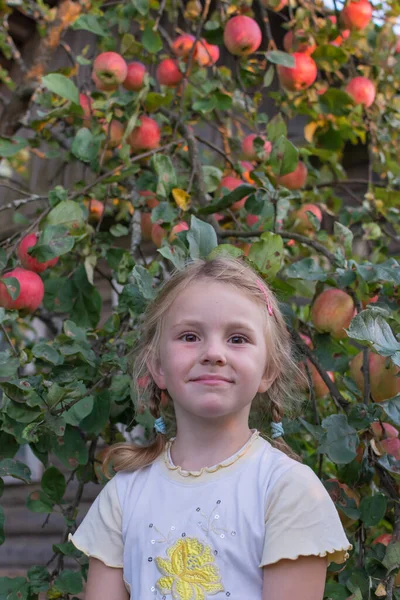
(212, 330)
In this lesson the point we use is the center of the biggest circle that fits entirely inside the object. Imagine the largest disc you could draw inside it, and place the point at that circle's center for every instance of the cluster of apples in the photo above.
(31, 285)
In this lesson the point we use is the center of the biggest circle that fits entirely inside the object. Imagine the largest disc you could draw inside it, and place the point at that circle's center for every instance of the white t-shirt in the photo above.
(185, 535)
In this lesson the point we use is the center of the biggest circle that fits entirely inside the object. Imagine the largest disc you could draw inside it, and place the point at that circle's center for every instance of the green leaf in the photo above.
(392, 556)
(8, 365)
(80, 410)
(268, 77)
(57, 195)
(227, 199)
(61, 85)
(16, 588)
(69, 582)
(53, 241)
(3, 259)
(12, 285)
(345, 237)
(71, 449)
(39, 502)
(201, 237)
(212, 176)
(370, 326)
(392, 408)
(281, 58)
(267, 254)
(67, 213)
(88, 302)
(340, 440)
(164, 212)
(8, 445)
(48, 353)
(85, 146)
(151, 40)
(306, 269)
(119, 230)
(276, 128)
(284, 156)
(15, 468)
(144, 280)
(10, 147)
(342, 500)
(386, 271)
(90, 23)
(225, 250)
(53, 484)
(60, 295)
(164, 168)
(97, 419)
(335, 591)
(329, 57)
(373, 509)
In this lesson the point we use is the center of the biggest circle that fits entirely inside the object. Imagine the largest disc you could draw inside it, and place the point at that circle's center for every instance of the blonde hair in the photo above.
(282, 398)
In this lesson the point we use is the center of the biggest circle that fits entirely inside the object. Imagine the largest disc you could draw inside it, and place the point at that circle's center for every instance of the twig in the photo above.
(21, 202)
(4, 330)
(215, 148)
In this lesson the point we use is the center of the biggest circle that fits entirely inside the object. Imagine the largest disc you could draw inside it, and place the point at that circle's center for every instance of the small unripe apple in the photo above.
(231, 183)
(31, 290)
(183, 45)
(381, 430)
(296, 179)
(332, 312)
(301, 76)
(249, 150)
(168, 73)
(356, 14)
(95, 208)
(206, 54)
(135, 76)
(340, 38)
(275, 5)
(182, 226)
(145, 136)
(158, 234)
(302, 222)
(28, 261)
(242, 35)
(384, 382)
(110, 69)
(362, 90)
(299, 41)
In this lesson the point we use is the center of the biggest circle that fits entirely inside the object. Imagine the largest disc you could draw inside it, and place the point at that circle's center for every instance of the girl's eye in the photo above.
(193, 335)
(185, 335)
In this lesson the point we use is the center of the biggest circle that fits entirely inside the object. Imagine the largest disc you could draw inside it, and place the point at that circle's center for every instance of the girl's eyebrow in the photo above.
(231, 325)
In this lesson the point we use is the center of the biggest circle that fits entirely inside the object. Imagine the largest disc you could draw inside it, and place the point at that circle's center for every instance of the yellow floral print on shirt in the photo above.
(189, 571)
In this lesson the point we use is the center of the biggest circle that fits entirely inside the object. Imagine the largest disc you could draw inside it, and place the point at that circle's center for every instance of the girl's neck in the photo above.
(196, 448)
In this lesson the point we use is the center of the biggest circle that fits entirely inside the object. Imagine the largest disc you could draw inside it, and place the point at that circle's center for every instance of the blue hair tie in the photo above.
(277, 429)
(159, 425)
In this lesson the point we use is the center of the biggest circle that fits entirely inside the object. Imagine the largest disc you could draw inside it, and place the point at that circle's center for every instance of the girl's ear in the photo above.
(154, 367)
(267, 380)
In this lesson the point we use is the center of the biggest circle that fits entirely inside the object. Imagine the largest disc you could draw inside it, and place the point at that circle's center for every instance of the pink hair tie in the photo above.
(264, 291)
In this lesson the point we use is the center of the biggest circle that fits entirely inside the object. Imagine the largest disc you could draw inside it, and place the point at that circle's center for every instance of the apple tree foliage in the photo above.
(65, 393)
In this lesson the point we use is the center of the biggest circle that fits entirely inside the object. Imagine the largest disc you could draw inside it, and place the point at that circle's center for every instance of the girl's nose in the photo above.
(214, 354)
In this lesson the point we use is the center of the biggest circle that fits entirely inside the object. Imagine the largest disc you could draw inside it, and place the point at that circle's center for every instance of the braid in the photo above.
(277, 413)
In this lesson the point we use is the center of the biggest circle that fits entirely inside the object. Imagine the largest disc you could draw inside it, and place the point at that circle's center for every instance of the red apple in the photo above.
(390, 446)
(381, 430)
(31, 290)
(86, 103)
(182, 226)
(248, 148)
(95, 208)
(146, 225)
(183, 45)
(362, 90)
(114, 132)
(397, 48)
(252, 220)
(301, 76)
(319, 385)
(158, 234)
(340, 38)
(135, 76)
(145, 136)
(110, 69)
(206, 54)
(299, 41)
(242, 35)
(275, 5)
(151, 198)
(384, 382)
(332, 311)
(356, 14)
(302, 222)
(296, 179)
(28, 261)
(168, 73)
(231, 183)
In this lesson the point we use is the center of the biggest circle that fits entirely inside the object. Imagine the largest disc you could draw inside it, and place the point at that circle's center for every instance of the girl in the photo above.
(217, 510)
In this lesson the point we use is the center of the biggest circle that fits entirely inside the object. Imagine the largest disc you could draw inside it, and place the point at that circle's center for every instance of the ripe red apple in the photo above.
(242, 35)
(110, 69)
(146, 226)
(248, 148)
(302, 222)
(252, 220)
(319, 385)
(384, 383)
(86, 103)
(340, 38)
(183, 45)
(332, 311)
(182, 226)
(145, 136)
(168, 73)
(31, 290)
(206, 54)
(158, 234)
(301, 76)
(114, 132)
(362, 90)
(390, 446)
(29, 262)
(385, 429)
(356, 14)
(275, 5)
(151, 198)
(296, 179)
(95, 208)
(397, 48)
(231, 183)
(135, 76)
(299, 41)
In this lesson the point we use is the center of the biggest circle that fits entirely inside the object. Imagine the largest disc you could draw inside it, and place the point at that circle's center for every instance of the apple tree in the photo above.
(162, 77)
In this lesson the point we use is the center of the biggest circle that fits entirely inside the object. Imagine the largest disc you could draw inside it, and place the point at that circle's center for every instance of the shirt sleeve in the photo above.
(301, 520)
(100, 533)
